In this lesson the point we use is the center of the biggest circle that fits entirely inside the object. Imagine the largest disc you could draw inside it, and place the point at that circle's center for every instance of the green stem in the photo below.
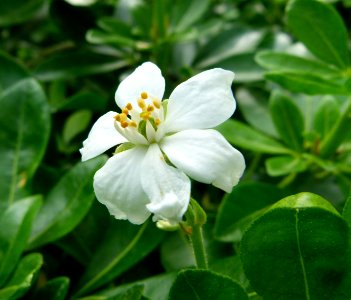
(197, 242)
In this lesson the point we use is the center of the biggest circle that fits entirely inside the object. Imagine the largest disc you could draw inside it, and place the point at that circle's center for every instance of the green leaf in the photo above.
(296, 250)
(54, 289)
(288, 120)
(244, 136)
(23, 277)
(132, 292)
(17, 11)
(11, 72)
(24, 132)
(123, 246)
(280, 61)
(321, 29)
(346, 212)
(77, 63)
(75, 124)
(15, 225)
(307, 83)
(245, 199)
(204, 284)
(327, 114)
(96, 36)
(253, 104)
(66, 204)
(283, 165)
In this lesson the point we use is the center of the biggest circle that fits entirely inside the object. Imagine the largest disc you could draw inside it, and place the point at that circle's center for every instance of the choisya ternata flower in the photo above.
(162, 143)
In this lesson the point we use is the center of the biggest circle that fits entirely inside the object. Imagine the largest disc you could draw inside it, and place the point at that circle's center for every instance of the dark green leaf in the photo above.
(23, 277)
(244, 136)
(280, 61)
(15, 225)
(307, 83)
(288, 120)
(321, 29)
(245, 199)
(123, 246)
(10, 72)
(24, 132)
(346, 212)
(132, 292)
(203, 284)
(77, 63)
(66, 204)
(54, 289)
(284, 165)
(298, 248)
(17, 11)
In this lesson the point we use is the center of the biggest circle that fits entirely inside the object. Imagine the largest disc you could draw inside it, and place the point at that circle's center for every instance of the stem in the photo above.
(197, 242)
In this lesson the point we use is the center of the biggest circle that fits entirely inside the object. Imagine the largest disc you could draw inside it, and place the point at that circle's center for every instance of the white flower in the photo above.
(166, 142)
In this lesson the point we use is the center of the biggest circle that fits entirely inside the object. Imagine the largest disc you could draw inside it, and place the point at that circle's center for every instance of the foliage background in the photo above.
(60, 64)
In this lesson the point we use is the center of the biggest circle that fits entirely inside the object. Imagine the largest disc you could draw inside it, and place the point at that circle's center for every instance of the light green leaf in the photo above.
(123, 246)
(244, 136)
(288, 120)
(281, 61)
(319, 26)
(23, 277)
(54, 289)
(24, 132)
(298, 248)
(205, 285)
(75, 124)
(284, 165)
(244, 200)
(15, 225)
(66, 204)
(307, 83)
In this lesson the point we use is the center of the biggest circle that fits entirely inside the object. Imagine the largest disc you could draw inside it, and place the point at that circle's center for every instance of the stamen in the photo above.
(156, 103)
(129, 106)
(117, 117)
(144, 95)
(157, 122)
(150, 108)
(123, 117)
(133, 124)
(141, 103)
(145, 115)
(124, 124)
(125, 111)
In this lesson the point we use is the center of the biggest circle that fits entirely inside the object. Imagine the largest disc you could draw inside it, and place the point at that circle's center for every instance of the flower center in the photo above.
(149, 111)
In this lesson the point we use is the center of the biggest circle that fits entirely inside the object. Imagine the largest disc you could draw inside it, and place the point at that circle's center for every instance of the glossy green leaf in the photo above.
(245, 199)
(23, 277)
(234, 41)
(96, 36)
(132, 292)
(24, 132)
(54, 289)
(284, 165)
(122, 247)
(15, 225)
(326, 116)
(288, 120)
(299, 249)
(307, 83)
(17, 11)
(319, 26)
(10, 72)
(76, 124)
(253, 104)
(204, 284)
(281, 61)
(76, 63)
(66, 204)
(241, 135)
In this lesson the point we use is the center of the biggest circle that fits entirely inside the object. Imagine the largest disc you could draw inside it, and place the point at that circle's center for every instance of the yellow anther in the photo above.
(129, 106)
(156, 103)
(125, 111)
(117, 117)
(150, 108)
(141, 103)
(124, 124)
(133, 124)
(157, 122)
(145, 115)
(122, 117)
(144, 95)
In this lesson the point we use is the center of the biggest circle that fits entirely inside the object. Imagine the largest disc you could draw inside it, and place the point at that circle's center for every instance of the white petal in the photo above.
(102, 137)
(168, 188)
(205, 156)
(117, 185)
(204, 101)
(145, 78)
